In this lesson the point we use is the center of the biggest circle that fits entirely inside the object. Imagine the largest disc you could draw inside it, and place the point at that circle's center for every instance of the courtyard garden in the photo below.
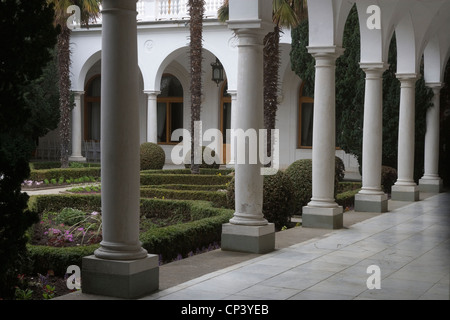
(181, 214)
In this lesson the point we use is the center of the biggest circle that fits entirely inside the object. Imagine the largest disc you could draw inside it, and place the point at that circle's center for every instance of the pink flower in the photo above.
(94, 213)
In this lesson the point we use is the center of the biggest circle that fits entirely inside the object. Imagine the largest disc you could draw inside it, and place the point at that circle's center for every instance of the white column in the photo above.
(234, 116)
(322, 211)
(152, 116)
(371, 198)
(77, 129)
(248, 230)
(120, 267)
(431, 182)
(405, 188)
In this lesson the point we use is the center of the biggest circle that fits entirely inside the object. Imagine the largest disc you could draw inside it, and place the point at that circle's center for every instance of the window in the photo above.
(92, 109)
(170, 108)
(305, 119)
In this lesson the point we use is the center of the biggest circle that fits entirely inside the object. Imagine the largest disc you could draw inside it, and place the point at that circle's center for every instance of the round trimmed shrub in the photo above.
(277, 196)
(152, 156)
(340, 169)
(300, 173)
(209, 159)
(388, 178)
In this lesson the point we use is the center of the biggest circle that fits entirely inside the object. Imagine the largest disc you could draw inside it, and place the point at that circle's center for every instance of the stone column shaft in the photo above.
(120, 267)
(234, 116)
(77, 129)
(405, 188)
(152, 116)
(248, 231)
(248, 178)
(322, 211)
(431, 182)
(371, 197)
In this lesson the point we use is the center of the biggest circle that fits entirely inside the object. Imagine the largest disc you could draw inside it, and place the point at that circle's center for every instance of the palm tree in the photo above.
(89, 9)
(287, 14)
(196, 12)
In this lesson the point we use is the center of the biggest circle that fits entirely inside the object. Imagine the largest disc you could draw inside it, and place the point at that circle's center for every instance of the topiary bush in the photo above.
(388, 178)
(209, 159)
(340, 168)
(300, 173)
(152, 156)
(277, 196)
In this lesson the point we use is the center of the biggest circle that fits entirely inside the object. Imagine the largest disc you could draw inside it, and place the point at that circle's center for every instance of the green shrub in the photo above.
(340, 168)
(209, 159)
(168, 242)
(347, 199)
(197, 179)
(277, 198)
(70, 173)
(219, 199)
(152, 156)
(70, 216)
(388, 178)
(300, 173)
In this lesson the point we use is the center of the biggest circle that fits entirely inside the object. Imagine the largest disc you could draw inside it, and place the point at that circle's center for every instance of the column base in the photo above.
(371, 202)
(120, 278)
(405, 193)
(77, 159)
(249, 239)
(431, 185)
(320, 217)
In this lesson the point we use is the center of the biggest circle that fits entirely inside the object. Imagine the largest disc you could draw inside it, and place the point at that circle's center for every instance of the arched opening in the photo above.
(92, 109)
(225, 118)
(305, 119)
(169, 109)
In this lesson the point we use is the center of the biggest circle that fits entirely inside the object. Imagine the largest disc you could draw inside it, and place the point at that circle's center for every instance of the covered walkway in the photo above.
(410, 244)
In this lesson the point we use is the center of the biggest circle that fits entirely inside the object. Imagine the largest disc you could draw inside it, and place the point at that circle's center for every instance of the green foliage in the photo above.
(350, 86)
(204, 227)
(388, 178)
(70, 216)
(42, 98)
(339, 169)
(26, 27)
(86, 174)
(157, 179)
(209, 159)
(300, 173)
(219, 199)
(277, 196)
(152, 156)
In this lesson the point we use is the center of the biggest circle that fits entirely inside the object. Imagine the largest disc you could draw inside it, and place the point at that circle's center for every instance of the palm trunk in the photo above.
(196, 10)
(64, 91)
(271, 67)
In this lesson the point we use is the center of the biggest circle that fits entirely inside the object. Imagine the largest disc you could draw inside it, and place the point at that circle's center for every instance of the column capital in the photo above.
(407, 79)
(152, 92)
(325, 54)
(435, 86)
(78, 93)
(373, 69)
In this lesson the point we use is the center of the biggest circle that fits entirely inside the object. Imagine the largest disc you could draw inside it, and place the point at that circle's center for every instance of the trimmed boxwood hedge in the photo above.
(207, 171)
(197, 179)
(218, 198)
(72, 173)
(168, 242)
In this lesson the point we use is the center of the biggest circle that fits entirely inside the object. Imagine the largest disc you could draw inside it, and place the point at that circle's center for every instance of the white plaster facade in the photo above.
(421, 28)
(163, 40)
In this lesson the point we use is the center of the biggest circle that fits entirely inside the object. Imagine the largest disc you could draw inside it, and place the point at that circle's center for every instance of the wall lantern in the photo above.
(217, 72)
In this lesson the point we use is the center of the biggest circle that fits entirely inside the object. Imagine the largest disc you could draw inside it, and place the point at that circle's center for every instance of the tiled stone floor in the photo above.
(410, 245)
